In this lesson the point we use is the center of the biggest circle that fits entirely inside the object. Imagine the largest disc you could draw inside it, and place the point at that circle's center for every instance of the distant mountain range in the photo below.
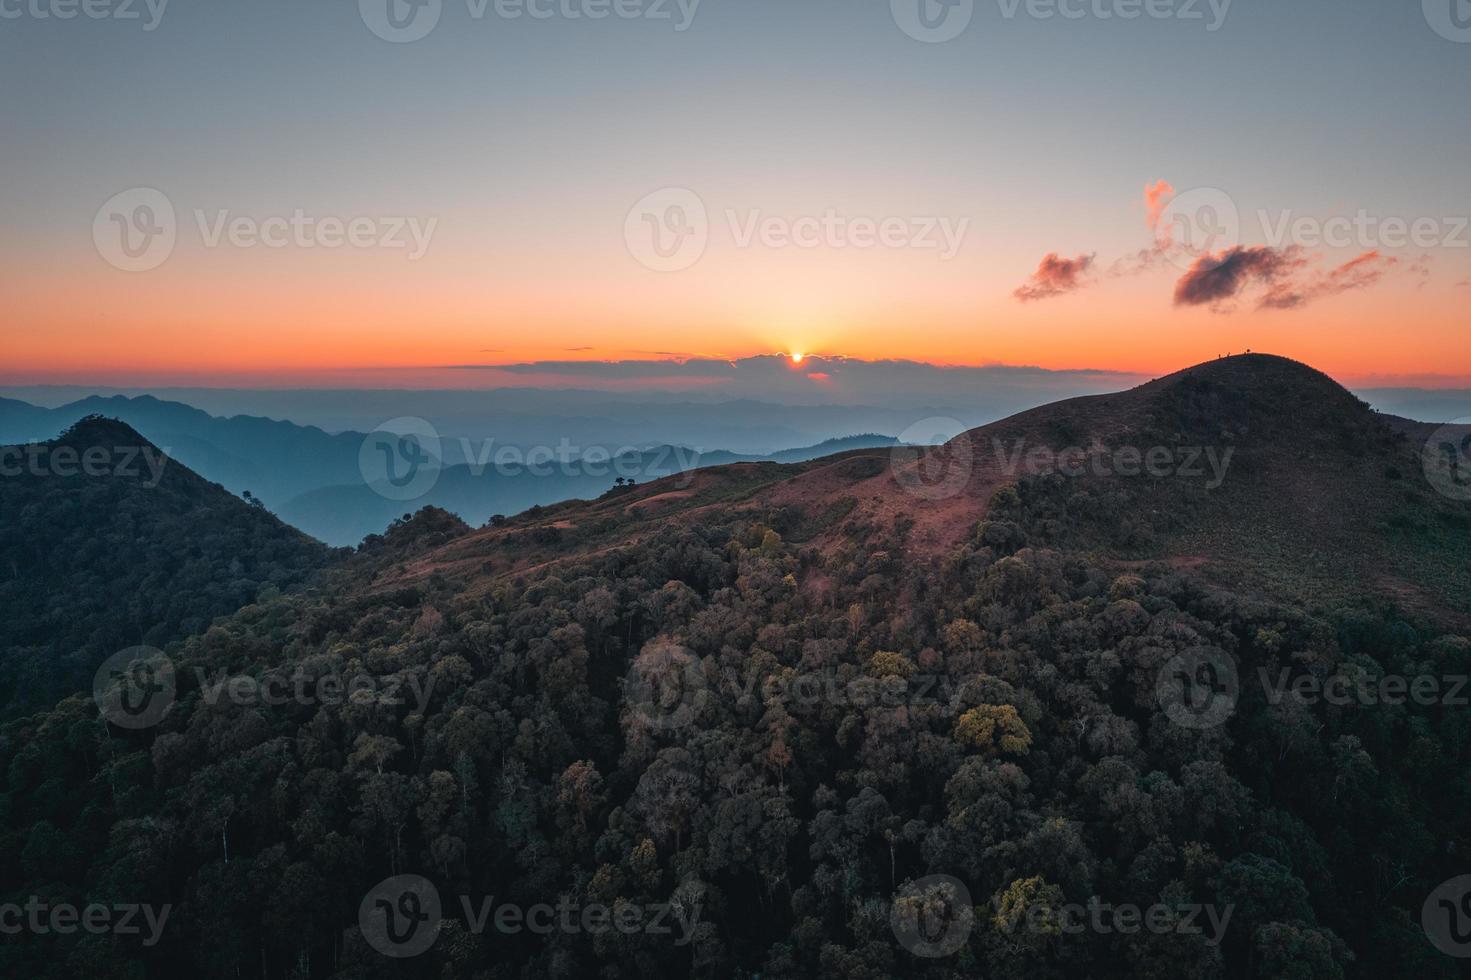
(314, 481)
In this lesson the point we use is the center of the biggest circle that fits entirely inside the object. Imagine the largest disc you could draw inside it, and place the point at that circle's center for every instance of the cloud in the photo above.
(1055, 276)
(1157, 197)
(1357, 273)
(772, 378)
(1420, 269)
(1214, 279)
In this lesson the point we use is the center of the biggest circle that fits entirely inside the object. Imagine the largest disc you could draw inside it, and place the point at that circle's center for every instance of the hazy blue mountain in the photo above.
(274, 460)
(344, 515)
(311, 478)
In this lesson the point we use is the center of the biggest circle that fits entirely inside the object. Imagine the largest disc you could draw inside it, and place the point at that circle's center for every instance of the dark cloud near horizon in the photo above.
(819, 378)
(1055, 276)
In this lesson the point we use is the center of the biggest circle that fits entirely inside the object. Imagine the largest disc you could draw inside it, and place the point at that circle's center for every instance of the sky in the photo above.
(299, 194)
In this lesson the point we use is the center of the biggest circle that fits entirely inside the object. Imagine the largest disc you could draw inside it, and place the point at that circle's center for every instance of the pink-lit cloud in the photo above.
(1055, 276)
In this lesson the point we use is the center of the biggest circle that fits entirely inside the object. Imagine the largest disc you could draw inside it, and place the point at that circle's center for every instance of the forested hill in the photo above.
(107, 543)
(1255, 472)
(782, 725)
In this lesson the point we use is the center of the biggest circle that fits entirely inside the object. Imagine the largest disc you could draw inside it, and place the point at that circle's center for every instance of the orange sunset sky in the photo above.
(278, 318)
(531, 144)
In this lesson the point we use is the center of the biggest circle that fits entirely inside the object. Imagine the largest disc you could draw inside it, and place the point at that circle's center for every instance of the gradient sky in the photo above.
(528, 141)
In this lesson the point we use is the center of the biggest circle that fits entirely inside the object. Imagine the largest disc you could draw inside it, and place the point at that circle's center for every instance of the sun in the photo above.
(797, 358)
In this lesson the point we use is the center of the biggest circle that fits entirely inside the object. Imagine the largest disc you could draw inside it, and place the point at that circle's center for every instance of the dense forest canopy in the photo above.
(998, 725)
(107, 543)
